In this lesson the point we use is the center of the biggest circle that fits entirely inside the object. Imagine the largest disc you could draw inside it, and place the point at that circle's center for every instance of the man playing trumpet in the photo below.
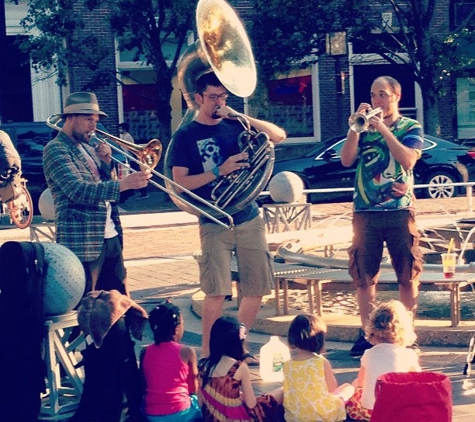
(383, 202)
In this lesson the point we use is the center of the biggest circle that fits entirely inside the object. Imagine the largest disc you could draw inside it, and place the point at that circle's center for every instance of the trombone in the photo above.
(148, 157)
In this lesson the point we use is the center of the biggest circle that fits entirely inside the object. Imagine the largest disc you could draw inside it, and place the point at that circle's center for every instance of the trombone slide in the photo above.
(149, 157)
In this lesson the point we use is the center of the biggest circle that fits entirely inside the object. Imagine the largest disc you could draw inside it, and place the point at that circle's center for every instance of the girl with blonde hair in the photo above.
(391, 332)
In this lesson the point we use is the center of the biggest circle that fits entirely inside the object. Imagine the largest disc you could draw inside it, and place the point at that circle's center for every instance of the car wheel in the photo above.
(436, 190)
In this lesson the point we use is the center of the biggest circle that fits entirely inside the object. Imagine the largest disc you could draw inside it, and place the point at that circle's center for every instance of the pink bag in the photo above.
(413, 397)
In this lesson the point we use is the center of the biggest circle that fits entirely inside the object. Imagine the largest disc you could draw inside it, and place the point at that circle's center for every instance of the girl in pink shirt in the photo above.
(169, 370)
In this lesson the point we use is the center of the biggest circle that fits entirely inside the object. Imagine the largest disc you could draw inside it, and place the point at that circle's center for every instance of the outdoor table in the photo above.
(314, 278)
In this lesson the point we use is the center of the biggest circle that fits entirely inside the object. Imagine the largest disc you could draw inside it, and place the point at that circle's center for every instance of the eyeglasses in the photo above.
(214, 97)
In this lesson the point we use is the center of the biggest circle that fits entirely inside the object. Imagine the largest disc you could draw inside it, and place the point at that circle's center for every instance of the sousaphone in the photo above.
(224, 48)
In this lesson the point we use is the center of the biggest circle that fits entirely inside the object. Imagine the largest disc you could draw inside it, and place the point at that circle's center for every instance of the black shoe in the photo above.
(360, 346)
(414, 346)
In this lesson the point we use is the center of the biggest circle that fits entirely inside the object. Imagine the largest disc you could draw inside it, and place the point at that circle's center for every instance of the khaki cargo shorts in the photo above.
(255, 264)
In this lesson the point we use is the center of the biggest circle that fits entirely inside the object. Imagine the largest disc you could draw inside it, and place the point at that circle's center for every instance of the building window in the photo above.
(466, 108)
(460, 10)
(291, 105)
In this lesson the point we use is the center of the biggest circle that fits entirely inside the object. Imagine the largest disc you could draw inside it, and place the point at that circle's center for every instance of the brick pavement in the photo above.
(160, 242)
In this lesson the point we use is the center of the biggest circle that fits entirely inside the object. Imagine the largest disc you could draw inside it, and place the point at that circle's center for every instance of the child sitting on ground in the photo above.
(169, 370)
(226, 392)
(311, 392)
(390, 330)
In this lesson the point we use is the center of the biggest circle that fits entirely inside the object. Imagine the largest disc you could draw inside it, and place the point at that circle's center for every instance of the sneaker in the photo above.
(360, 346)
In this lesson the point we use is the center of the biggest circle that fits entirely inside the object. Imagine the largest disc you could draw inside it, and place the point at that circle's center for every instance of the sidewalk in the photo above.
(158, 248)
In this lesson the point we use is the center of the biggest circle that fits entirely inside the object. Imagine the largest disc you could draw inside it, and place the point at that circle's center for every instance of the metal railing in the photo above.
(468, 186)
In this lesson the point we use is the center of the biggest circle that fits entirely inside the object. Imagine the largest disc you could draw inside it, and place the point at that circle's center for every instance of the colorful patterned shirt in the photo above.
(378, 172)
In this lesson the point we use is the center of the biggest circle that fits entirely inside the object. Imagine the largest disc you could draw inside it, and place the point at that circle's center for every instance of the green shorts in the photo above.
(255, 264)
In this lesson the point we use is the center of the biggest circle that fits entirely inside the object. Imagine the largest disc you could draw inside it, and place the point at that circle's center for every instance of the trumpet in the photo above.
(148, 157)
(359, 122)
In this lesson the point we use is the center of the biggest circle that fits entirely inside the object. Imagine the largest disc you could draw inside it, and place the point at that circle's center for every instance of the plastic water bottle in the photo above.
(272, 358)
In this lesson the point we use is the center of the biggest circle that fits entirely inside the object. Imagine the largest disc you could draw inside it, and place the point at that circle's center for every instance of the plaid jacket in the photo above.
(79, 199)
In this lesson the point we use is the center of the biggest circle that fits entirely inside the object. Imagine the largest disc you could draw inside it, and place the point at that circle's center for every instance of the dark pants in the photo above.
(107, 272)
(111, 372)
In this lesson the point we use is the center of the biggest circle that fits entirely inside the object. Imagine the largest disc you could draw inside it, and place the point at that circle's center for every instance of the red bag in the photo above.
(413, 397)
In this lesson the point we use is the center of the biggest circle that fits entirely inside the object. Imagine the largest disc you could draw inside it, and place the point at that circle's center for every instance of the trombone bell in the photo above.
(149, 155)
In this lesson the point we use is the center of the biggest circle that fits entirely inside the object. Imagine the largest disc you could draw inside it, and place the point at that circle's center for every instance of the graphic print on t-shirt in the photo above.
(210, 153)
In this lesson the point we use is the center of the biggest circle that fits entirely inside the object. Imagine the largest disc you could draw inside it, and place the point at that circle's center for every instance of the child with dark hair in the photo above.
(310, 387)
(226, 392)
(169, 370)
(390, 330)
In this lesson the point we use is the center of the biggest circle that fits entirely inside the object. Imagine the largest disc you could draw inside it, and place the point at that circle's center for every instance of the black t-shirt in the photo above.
(200, 148)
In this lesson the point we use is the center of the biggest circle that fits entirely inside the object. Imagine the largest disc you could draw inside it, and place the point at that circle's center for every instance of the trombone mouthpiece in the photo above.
(93, 139)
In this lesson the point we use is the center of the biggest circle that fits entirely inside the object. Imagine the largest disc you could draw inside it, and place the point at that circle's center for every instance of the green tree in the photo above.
(294, 34)
(58, 42)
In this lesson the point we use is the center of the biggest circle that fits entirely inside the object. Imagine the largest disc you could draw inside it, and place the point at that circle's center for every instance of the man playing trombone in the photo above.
(85, 194)
(204, 151)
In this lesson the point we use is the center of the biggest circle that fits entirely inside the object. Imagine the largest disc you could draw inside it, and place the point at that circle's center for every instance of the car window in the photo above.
(336, 147)
(428, 145)
(29, 138)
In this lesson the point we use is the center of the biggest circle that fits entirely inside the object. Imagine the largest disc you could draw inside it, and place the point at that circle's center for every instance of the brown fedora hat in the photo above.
(82, 103)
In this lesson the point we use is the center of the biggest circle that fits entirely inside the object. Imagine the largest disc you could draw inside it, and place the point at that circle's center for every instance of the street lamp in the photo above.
(337, 46)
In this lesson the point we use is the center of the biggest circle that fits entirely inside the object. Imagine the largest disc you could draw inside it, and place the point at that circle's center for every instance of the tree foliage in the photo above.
(285, 33)
(294, 31)
(59, 43)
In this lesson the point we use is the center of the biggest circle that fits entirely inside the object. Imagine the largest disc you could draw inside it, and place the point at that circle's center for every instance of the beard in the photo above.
(82, 137)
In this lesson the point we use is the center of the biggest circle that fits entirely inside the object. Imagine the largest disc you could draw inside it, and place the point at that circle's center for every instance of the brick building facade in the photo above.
(333, 87)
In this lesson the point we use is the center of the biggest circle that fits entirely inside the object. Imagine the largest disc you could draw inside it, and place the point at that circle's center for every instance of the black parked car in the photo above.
(441, 162)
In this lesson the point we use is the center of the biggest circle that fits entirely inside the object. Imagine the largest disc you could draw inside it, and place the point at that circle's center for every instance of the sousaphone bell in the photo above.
(224, 48)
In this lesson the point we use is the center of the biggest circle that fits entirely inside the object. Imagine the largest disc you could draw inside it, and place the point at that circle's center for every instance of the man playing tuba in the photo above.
(205, 150)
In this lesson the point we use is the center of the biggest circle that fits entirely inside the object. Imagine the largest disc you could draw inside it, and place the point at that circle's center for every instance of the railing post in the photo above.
(469, 198)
